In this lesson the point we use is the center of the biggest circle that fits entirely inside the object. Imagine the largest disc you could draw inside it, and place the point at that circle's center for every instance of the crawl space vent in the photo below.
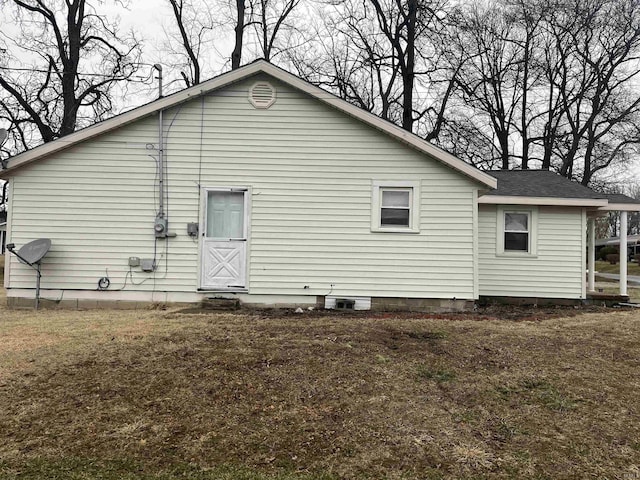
(262, 95)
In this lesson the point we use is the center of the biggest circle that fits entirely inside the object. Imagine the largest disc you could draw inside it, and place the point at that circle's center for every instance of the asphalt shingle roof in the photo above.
(619, 198)
(539, 183)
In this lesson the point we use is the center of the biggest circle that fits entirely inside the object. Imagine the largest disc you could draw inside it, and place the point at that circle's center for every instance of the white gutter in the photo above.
(552, 201)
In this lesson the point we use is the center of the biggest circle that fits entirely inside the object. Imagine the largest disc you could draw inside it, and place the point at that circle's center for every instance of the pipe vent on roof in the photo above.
(262, 95)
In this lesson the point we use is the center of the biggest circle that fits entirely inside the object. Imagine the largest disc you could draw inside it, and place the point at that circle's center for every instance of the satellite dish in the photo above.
(3, 135)
(31, 253)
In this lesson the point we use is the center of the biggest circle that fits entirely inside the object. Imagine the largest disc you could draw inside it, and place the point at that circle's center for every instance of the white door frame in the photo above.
(204, 195)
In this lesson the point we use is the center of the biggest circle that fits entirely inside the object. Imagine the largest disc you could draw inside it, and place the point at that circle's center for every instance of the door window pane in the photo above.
(225, 214)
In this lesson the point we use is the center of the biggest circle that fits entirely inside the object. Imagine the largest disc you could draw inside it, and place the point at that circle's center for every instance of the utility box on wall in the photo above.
(148, 264)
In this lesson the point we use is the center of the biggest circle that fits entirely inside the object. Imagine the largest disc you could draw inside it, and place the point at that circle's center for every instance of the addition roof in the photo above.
(620, 198)
(544, 187)
(234, 76)
(539, 183)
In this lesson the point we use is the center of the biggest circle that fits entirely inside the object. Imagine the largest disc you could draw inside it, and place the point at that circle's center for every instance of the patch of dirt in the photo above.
(480, 313)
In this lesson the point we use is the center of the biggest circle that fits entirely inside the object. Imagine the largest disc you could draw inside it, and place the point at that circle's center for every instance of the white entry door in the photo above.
(224, 239)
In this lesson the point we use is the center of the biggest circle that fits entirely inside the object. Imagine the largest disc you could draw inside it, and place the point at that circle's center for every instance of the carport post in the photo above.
(592, 254)
(623, 253)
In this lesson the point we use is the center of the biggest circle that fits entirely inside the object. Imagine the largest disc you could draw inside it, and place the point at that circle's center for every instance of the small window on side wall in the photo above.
(395, 206)
(516, 231)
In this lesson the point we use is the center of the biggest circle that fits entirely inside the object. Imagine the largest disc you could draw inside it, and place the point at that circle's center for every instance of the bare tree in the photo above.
(194, 23)
(491, 81)
(601, 109)
(270, 20)
(257, 25)
(388, 57)
(553, 79)
(61, 69)
(397, 21)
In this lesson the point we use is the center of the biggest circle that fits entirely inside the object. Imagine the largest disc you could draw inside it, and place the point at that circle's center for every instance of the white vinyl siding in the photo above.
(555, 271)
(310, 169)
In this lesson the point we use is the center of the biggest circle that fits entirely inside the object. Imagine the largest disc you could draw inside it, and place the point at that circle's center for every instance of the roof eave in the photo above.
(621, 207)
(543, 201)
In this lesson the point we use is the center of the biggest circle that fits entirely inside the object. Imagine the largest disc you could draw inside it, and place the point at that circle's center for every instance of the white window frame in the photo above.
(378, 186)
(532, 214)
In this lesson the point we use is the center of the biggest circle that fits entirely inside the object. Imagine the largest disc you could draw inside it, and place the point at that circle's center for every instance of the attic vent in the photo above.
(262, 95)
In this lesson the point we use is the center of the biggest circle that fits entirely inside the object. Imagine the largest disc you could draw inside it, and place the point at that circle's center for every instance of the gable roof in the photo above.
(259, 66)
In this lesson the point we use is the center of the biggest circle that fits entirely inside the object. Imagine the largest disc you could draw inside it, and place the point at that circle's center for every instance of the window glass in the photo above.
(225, 214)
(516, 241)
(395, 209)
(516, 232)
(516, 222)
(395, 198)
(397, 217)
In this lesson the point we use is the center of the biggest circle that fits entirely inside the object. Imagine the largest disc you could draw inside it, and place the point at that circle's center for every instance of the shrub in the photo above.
(604, 251)
(613, 258)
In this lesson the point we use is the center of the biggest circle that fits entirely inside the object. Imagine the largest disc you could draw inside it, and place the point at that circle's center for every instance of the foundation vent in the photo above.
(348, 303)
(262, 95)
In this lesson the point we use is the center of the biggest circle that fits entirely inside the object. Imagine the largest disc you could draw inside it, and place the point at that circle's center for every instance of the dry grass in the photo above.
(154, 394)
(606, 267)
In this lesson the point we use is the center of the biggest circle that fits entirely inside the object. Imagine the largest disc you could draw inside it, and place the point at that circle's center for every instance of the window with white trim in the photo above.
(516, 231)
(395, 207)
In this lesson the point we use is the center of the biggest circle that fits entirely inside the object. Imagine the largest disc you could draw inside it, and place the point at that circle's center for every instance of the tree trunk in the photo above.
(236, 55)
(75, 17)
(523, 118)
(408, 75)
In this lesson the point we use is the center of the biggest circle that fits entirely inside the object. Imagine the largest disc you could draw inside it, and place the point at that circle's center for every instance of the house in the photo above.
(259, 186)
(633, 244)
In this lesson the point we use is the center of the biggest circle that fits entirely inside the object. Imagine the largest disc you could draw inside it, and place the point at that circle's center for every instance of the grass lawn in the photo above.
(605, 267)
(159, 394)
